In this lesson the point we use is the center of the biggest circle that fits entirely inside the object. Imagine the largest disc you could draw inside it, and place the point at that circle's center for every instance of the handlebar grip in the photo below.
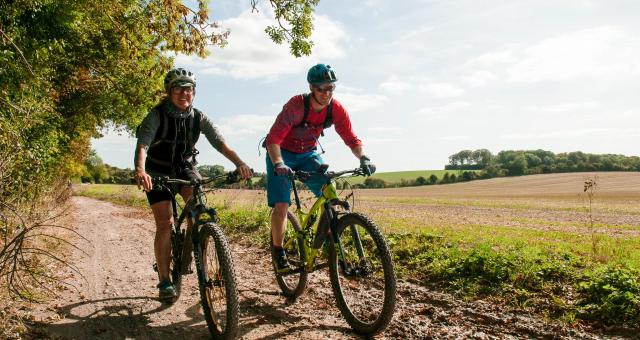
(232, 177)
(372, 167)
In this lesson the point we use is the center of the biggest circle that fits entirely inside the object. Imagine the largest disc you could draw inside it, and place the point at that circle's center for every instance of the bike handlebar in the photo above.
(230, 178)
(303, 175)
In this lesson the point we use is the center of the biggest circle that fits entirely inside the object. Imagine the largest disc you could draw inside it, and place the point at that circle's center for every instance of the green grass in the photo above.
(398, 176)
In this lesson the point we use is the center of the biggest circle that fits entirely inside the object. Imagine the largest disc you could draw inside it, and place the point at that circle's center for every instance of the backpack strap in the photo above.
(194, 127)
(328, 119)
(307, 106)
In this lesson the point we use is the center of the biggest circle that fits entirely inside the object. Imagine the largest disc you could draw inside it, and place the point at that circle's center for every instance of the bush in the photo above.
(611, 295)
(433, 179)
(374, 183)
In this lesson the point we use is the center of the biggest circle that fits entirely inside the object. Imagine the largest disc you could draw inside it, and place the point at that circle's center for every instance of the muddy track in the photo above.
(115, 297)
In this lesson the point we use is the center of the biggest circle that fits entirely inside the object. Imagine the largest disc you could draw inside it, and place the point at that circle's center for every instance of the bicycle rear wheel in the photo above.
(216, 278)
(294, 282)
(362, 274)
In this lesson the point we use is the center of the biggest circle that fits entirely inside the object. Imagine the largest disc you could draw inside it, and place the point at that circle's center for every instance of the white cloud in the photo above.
(374, 140)
(492, 59)
(594, 52)
(566, 107)
(245, 125)
(574, 133)
(387, 130)
(479, 78)
(395, 86)
(441, 111)
(454, 138)
(250, 54)
(413, 38)
(441, 90)
(355, 102)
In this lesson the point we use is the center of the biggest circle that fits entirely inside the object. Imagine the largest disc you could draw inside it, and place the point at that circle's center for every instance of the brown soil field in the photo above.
(610, 184)
(550, 201)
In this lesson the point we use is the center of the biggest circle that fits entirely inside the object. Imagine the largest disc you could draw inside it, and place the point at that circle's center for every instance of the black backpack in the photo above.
(328, 120)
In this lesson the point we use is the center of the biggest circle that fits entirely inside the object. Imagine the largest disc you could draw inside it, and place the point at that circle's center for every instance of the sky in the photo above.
(422, 79)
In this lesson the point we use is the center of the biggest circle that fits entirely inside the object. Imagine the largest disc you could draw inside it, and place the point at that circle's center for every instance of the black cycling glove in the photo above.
(367, 167)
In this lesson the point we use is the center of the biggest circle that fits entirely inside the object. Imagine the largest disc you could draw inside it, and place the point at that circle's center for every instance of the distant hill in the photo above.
(398, 176)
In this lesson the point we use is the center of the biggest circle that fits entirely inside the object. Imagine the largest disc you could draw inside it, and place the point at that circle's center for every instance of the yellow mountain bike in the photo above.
(350, 244)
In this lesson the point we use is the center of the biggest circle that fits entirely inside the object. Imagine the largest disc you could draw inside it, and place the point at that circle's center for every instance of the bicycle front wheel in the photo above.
(293, 282)
(217, 282)
(362, 275)
(177, 243)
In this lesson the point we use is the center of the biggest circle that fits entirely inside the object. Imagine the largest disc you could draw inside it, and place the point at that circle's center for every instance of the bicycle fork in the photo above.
(360, 269)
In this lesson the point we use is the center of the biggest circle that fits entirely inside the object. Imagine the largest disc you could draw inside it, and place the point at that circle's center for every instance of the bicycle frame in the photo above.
(322, 206)
(194, 209)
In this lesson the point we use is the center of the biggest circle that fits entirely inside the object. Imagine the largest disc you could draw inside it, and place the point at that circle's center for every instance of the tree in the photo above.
(518, 166)
(454, 161)
(468, 176)
(421, 180)
(465, 156)
(433, 179)
(482, 157)
(532, 160)
(445, 178)
(211, 170)
(97, 170)
(73, 67)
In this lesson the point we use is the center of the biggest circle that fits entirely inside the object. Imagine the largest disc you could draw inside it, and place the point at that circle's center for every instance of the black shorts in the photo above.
(155, 196)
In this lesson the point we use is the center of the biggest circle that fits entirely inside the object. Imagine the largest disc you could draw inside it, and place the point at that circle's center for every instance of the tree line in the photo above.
(468, 165)
(529, 162)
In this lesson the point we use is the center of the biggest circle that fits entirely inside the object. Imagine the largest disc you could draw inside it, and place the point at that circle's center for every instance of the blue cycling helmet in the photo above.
(321, 74)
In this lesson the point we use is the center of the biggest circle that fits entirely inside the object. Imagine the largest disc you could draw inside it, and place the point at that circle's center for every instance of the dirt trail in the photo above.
(116, 299)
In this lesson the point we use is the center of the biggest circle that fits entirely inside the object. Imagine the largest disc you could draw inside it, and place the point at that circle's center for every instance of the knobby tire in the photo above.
(292, 285)
(217, 284)
(360, 310)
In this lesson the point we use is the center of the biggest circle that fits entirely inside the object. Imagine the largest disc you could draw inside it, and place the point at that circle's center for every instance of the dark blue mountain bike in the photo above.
(203, 239)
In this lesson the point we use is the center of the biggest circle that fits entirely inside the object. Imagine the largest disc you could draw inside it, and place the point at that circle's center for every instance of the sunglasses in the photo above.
(325, 89)
(186, 89)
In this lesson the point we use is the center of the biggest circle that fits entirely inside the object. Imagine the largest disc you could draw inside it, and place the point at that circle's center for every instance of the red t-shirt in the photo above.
(301, 139)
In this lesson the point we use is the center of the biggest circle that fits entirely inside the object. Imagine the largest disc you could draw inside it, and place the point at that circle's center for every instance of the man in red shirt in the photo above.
(292, 141)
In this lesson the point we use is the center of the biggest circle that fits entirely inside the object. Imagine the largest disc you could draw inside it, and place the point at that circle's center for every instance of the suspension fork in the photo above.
(358, 242)
(355, 234)
(333, 225)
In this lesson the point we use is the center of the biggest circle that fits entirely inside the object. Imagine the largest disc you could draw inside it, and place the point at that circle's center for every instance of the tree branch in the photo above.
(19, 51)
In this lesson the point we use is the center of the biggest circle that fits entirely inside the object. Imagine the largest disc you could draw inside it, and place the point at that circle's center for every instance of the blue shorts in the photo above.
(279, 187)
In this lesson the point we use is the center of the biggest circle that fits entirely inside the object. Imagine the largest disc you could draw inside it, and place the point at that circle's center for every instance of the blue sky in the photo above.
(425, 79)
